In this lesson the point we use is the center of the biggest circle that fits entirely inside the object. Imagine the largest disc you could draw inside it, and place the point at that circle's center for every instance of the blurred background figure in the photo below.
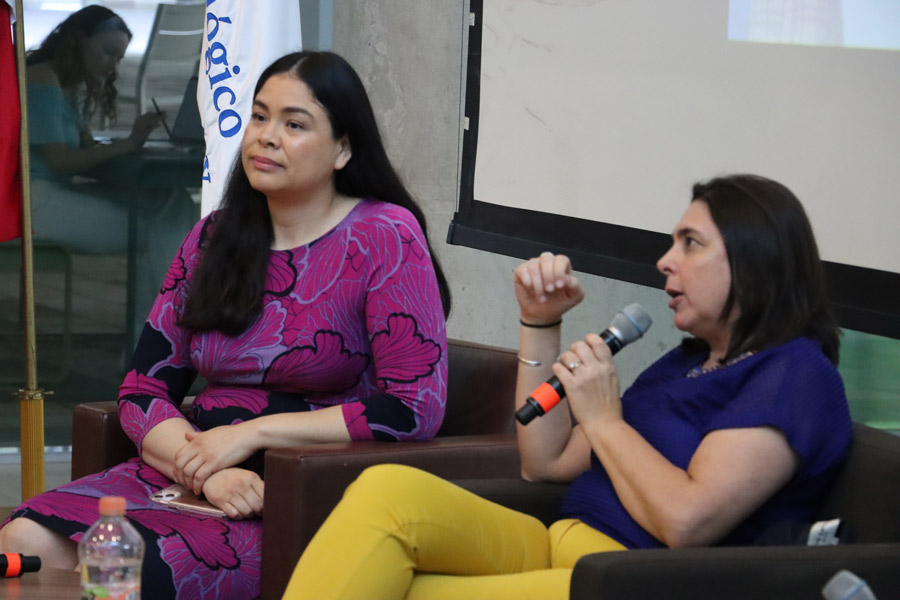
(82, 190)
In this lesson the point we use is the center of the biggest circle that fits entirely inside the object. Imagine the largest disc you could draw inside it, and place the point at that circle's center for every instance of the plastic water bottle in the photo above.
(111, 554)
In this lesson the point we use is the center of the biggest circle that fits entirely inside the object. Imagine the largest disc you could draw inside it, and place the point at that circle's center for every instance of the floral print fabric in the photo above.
(352, 319)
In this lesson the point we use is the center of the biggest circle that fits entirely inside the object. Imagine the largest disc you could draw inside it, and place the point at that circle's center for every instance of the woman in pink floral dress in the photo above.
(313, 307)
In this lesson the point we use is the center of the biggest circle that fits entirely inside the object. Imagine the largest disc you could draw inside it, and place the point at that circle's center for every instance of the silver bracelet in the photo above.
(530, 363)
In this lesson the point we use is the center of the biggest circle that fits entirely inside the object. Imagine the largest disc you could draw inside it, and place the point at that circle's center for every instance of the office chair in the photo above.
(172, 56)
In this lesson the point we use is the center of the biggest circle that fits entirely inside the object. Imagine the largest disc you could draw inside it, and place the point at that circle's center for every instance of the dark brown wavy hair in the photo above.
(777, 278)
(62, 48)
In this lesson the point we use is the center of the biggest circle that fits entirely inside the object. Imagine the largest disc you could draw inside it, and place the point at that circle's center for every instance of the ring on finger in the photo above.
(571, 365)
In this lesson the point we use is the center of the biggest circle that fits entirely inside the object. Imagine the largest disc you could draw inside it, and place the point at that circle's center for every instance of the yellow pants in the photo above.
(403, 533)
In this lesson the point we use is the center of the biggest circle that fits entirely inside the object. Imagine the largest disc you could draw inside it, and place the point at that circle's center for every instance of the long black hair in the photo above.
(777, 278)
(62, 48)
(227, 288)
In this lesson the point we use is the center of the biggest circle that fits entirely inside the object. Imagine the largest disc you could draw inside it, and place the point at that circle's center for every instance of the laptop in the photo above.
(186, 133)
(188, 127)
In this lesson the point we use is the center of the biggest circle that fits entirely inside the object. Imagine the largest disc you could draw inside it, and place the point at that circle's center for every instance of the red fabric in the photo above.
(10, 183)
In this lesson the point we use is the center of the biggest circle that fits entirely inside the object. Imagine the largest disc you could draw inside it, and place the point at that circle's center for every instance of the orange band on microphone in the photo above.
(546, 396)
(13, 564)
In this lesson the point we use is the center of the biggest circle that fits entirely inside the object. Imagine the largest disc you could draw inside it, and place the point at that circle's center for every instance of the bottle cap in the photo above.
(112, 506)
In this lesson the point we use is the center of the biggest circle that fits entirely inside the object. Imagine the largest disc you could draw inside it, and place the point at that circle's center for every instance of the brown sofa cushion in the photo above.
(867, 492)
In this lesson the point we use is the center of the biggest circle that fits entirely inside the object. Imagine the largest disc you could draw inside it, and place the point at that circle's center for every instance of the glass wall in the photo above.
(109, 212)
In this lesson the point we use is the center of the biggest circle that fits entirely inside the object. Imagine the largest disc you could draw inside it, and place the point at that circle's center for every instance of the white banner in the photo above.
(243, 37)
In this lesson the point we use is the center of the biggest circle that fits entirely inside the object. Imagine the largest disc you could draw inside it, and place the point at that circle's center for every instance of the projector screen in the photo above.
(588, 121)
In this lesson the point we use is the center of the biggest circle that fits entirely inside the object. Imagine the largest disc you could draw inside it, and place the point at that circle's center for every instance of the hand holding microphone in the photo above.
(629, 324)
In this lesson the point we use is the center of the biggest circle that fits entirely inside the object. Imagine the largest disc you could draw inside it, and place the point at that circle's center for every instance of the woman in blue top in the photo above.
(71, 79)
(741, 427)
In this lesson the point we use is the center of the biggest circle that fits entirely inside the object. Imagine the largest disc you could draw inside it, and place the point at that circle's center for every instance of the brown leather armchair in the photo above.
(866, 496)
(304, 483)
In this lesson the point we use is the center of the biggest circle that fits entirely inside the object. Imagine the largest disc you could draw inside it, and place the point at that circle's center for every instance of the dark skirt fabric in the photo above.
(187, 557)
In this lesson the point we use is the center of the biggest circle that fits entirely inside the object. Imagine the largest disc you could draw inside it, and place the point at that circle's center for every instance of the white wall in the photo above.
(410, 53)
(617, 98)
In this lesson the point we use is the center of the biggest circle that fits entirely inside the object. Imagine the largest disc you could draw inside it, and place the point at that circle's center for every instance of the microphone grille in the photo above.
(845, 585)
(632, 322)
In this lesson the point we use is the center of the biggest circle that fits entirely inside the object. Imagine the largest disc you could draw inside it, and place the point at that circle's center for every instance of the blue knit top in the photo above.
(792, 387)
(52, 119)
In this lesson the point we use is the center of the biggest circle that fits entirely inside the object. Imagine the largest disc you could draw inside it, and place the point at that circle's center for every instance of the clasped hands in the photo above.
(206, 464)
(546, 289)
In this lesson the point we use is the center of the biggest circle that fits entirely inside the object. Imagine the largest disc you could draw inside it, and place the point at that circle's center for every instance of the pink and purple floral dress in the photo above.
(353, 319)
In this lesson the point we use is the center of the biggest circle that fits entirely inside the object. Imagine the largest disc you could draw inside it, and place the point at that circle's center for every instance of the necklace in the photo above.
(701, 370)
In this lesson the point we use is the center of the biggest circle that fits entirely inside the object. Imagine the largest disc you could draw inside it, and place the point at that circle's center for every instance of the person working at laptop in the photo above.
(186, 135)
(70, 79)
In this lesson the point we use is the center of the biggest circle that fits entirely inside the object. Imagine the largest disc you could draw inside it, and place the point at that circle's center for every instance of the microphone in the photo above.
(629, 324)
(13, 564)
(846, 586)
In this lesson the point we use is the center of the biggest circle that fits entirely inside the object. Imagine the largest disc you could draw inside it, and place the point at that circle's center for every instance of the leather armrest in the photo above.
(304, 483)
(737, 573)
(98, 441)
(540, 500)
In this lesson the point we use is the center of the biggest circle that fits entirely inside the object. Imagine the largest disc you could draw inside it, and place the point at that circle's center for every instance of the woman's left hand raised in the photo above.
(592, 386)
(210, 451)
